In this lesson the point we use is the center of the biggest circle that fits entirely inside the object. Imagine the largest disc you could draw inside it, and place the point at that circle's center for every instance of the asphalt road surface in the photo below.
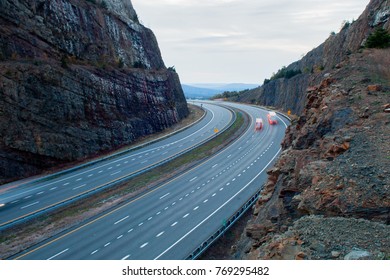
(23, 199)
(171, 221)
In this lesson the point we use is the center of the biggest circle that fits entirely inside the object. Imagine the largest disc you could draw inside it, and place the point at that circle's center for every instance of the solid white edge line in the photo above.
(219, 208)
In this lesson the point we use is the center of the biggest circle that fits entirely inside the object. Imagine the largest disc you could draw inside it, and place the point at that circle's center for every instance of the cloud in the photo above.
(202, 37)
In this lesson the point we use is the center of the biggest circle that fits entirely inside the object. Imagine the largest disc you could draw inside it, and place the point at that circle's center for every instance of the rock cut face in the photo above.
(123, 8)
(77, 79)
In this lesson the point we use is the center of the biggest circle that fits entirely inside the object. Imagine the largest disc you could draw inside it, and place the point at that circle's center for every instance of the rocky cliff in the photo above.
(78, 78)
(288, 94)
(328, 195)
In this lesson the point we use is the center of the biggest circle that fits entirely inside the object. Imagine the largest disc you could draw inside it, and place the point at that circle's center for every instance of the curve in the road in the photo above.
(170, 222)
(38, 196)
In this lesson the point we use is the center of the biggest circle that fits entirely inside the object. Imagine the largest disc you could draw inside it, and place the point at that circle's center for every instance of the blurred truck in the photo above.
(258, 124)
(272, 118)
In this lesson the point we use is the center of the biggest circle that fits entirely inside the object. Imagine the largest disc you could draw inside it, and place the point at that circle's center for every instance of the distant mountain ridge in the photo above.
(207, 90)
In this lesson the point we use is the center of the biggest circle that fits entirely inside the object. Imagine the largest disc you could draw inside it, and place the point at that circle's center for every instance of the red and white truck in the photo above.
(258, 124)
(272, 118)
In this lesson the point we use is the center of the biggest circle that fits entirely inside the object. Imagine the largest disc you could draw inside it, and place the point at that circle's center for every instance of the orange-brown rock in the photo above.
(372, 88)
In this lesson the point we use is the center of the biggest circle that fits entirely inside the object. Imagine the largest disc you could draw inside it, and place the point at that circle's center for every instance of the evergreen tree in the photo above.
(378, 39)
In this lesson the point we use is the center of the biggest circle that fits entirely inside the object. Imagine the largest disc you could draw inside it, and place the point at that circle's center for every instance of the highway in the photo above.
(171, 221)
(22, 200)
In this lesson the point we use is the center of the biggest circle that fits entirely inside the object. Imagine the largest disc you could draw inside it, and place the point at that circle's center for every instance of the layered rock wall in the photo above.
(76, 79)
(289, 94)
(327, 196)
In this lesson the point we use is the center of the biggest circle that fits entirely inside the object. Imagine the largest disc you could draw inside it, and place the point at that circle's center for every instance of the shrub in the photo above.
(121, 63)
(64, 62)
(284, 73)
(103, 4)
(380, 38)
(139, 64)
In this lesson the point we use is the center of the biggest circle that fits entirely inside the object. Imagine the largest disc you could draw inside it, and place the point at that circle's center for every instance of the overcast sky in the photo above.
(243, 41)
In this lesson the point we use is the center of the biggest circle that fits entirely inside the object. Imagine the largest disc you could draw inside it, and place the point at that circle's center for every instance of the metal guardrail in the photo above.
(113, 183)
(221, 230)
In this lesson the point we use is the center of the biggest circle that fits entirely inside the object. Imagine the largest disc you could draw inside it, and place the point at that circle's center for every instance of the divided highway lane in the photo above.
(171, 221)
(24, 199)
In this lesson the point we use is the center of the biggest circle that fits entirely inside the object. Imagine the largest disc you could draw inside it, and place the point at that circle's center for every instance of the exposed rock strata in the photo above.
(328, 195)
(288, 94)
(76, 79)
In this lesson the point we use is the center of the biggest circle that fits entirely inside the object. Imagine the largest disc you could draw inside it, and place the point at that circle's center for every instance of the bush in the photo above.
(103, 4)
(380, 38)
(64, 62)
(284, 73)
(121, 63)
(139, 64)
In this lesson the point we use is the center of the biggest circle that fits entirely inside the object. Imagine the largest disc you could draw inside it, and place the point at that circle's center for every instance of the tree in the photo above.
(380, 38)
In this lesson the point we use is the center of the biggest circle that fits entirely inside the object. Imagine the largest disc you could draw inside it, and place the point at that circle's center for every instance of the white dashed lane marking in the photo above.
(193, 179)
(75, 188)
(29, 205)
(121, 220)
(56, 255)
(165, 195)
